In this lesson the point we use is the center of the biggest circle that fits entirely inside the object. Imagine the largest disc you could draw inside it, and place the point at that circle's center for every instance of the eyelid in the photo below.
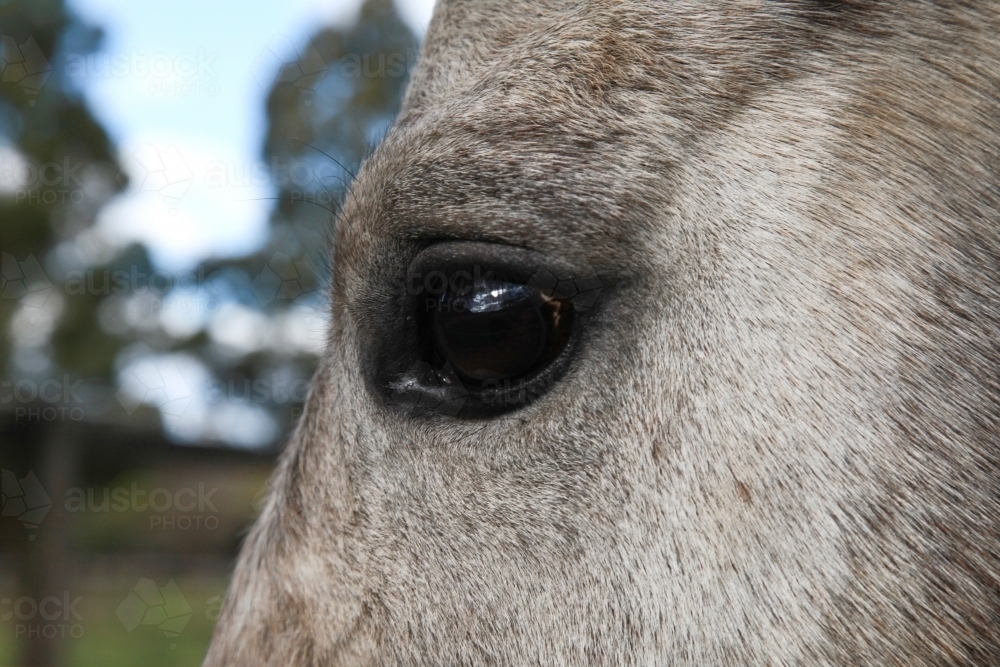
(554, 276)
(484, 261)
(396, 348)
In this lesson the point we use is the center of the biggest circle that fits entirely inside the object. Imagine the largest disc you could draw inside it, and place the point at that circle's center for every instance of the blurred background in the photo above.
(170, 175)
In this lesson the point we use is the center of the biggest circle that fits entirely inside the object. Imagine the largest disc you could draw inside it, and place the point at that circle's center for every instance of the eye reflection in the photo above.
(499, 330)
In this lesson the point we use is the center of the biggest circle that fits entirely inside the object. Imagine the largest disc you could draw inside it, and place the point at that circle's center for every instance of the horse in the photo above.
(663, 333)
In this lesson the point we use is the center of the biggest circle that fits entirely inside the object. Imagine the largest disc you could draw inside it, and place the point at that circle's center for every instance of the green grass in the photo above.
(105, 642)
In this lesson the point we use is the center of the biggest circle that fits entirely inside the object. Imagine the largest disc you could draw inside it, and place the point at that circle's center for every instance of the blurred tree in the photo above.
(56, 172)
(327, 110)
(331, 107)
(328, 107)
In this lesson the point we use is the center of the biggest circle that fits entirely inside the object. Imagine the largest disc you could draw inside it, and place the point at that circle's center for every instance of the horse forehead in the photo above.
(466, 37)
(559, 124)
(566, 126)
(613, 36)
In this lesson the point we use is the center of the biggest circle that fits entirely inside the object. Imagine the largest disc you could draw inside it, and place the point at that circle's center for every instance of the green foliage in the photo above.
(327, 109)
(333, 105)
(70, 156)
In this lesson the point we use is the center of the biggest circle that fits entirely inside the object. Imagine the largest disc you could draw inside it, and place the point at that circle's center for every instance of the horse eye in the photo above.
(496, 330)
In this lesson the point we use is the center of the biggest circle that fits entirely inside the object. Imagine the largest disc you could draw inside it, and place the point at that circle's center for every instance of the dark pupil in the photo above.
(494, 331)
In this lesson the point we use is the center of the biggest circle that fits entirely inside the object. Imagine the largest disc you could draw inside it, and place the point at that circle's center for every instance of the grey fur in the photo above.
(778, 443)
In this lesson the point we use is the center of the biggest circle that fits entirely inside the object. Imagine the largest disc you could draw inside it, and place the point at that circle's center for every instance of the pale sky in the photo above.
(181, 86)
